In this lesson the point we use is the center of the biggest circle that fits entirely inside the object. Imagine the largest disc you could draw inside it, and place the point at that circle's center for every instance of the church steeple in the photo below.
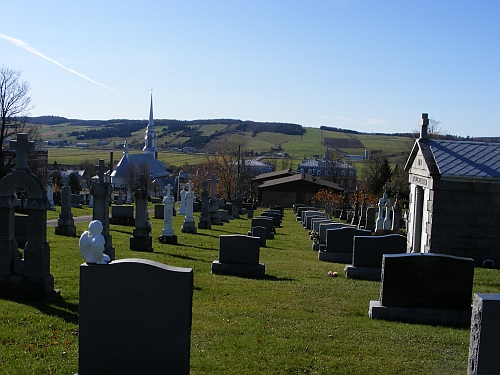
(150, 138)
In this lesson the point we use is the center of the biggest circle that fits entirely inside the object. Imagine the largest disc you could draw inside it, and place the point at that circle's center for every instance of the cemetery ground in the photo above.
(294, 320)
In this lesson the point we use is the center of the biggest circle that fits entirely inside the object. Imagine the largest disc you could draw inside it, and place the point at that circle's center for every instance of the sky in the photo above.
(365, 65)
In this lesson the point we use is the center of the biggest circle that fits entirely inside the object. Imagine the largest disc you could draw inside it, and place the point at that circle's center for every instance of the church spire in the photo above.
(150, 137)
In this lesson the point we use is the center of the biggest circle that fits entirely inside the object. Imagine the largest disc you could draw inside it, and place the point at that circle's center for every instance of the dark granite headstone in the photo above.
(239, 255)
(259, 232)
(135, 318)
(122, 215)
(368, 252)
(266, 222)
(159, 211)
(425, 288)
(339, 244)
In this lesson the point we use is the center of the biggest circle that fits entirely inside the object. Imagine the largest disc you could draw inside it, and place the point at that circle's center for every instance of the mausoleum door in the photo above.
(418, 219)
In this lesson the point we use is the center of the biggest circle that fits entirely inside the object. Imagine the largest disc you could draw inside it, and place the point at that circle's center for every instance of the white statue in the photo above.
(92, 244)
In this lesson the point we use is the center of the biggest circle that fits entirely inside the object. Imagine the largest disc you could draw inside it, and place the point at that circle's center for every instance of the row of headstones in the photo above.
(415, 288)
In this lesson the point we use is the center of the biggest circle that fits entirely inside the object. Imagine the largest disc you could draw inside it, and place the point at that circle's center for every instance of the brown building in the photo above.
(295, 188)
(38, 162)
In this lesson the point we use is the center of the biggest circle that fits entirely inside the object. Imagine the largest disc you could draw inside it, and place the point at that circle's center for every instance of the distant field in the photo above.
(297, 146)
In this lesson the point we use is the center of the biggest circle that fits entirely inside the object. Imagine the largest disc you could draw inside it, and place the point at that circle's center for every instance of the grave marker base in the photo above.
(328, 256)
(244, 270)
(141, 243)
(461, 318)
(363, 273)
(168, 240)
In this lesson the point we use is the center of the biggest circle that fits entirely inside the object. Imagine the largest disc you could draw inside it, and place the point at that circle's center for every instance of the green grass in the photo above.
(295, 320)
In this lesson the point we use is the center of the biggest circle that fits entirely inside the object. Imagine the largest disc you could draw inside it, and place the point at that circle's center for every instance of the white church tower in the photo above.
(150, 138)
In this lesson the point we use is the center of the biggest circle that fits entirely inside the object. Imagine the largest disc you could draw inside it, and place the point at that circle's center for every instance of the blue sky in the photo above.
(371, 66)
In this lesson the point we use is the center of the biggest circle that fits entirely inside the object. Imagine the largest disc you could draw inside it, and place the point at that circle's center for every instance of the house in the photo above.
(339, 171)
(294, 188)
(454, 198)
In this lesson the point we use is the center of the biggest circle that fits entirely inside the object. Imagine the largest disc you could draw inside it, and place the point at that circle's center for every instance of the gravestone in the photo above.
(425, 289)
(75, 201)
(362, 219)
(317, 221)
(167, 233)
(237, 202)
(345, 206)
(238, 256)
(323, 230)
(368, 252)
(370, 219)
(50, 196)
(28, 277)
(397, 215)
(204, 221)
(275, 215)
(122, 215)
(235, 213)
(182, 206)
(383, 202)
(159, 211)
(266, 222)
(229, 208)
(224, 216)
(301, 209)
(66, 223)
(189, 226)
(141, 239)
(249, 214)
(213, 205)
(484, 335)
(309, 215)
(260, 232)
(101, 192)
(134, 318)
(339, 244)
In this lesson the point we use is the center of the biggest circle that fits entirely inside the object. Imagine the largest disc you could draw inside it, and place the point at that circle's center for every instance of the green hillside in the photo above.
(215, 136)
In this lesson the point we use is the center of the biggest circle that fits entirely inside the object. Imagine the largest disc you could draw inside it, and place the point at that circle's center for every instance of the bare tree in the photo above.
(15, 104)
(435, 130)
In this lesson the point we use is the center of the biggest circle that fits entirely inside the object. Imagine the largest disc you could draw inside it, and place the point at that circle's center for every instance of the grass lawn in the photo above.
(295, 320)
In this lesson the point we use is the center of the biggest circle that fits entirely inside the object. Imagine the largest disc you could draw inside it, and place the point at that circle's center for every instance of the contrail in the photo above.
(28, 48)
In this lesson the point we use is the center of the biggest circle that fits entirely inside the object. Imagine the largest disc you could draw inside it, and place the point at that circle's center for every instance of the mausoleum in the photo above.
(454, 198)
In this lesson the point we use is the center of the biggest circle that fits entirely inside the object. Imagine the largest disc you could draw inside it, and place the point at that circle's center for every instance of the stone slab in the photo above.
(134, 318)
(484, 346)
(363, 273)
(446, 317)
(327, 256)
(244, 270)
(432, 281)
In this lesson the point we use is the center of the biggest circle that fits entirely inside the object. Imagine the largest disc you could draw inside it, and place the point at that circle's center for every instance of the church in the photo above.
(131, 166)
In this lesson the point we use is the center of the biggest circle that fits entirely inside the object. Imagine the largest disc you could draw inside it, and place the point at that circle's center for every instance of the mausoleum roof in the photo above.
(466, 158)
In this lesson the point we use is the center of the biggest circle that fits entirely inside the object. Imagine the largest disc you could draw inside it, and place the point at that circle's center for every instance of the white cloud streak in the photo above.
(28, 48)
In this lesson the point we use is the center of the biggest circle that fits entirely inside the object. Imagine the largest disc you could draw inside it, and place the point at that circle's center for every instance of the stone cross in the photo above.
(213, 182)
(168, 187)
(22, 146)
(189, 185)
(100, 170)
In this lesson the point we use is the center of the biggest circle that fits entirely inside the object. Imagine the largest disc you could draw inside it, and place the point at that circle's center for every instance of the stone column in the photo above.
(213, 207)
(141, 240)
(189, 226)
(66, 223)
(100, 192)
(167, 233)
(182, 207)
(204, 222)
(387, 218)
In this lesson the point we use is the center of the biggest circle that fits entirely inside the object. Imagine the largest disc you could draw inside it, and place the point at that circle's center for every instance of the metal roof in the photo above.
(466, 159)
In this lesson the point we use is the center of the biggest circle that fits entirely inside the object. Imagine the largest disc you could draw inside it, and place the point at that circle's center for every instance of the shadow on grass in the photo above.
(185, 257)
(190, 246)
(121, 231)
(265, 277)
(61, 309)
